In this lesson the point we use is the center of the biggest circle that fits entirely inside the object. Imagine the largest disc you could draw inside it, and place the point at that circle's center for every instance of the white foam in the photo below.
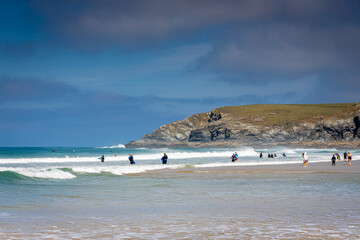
(114, 146)
(53, 173)
(122, 170)
(247, 152)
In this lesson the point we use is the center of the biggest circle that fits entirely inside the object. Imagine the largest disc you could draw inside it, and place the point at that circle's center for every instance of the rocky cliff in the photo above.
(321, 125)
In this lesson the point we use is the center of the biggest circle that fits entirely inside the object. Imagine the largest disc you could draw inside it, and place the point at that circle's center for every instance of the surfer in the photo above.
(284, 154)
(269, 155)
(164, 159)
(345, 156)
(275, 155)
(102, 158)
(131, 159)
(349, 155)
(333, 159)
(233, 158)
(261, 155)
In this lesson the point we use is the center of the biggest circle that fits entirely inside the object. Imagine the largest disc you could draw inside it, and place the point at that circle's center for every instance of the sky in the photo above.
(104, 72)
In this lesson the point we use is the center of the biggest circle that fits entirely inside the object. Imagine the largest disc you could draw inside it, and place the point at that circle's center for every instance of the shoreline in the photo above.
(316, 167)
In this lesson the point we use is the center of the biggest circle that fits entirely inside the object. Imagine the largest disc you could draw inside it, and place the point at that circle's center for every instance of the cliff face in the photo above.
(303, 125)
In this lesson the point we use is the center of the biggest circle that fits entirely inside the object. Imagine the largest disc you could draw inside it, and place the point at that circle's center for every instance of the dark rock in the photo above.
(215, 129)
(213, 116)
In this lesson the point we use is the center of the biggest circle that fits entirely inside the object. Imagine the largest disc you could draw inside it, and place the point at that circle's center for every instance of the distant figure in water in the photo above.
(164, 159)
(269, 156)
(275, 155)
(284, 154)
(349, 155)
(131, 159)
(102, 158)
(261, 155)
(272, 155)
(306, 160)
(236, 156)
(337, 156)
(333, 160)
(345, 156)
(53, 150)
(233, 158)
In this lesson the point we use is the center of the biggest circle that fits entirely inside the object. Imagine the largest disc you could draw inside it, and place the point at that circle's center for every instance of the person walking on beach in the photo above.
(164, 159)
(131, 159)
(345, 156)
(349, 155)
(333, 160)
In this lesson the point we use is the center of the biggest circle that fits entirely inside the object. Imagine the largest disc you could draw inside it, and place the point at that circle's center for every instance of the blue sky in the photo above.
(96, 73)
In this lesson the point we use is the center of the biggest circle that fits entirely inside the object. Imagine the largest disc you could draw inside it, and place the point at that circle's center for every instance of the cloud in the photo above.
(141, 22)
(20, 90)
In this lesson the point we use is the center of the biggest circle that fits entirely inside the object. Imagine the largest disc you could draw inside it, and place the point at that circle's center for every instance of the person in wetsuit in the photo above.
(164, 159)
(102, 158)
(131, 159)
(284, 154)
(233, 158)
(345, 156)
(261, 155)
(333, 160)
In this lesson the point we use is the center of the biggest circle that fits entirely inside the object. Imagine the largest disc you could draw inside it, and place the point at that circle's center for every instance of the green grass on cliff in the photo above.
(275, 114)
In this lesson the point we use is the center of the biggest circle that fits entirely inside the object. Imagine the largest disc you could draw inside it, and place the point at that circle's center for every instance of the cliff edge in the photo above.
(320, 125)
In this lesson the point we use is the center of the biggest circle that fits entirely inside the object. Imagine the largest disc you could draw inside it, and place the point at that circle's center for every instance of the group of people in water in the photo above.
(271, 155)
(235, 157)
(132, 161)
(336, 156)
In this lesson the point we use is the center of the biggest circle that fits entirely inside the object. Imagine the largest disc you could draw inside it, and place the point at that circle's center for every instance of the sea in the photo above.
(68, 193)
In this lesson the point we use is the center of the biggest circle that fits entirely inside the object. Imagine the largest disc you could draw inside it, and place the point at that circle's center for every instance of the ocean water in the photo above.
(67, 193)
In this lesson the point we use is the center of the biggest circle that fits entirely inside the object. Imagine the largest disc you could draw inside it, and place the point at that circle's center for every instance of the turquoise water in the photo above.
(71, 194)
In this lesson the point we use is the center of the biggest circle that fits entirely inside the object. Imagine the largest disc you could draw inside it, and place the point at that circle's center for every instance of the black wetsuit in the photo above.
(131, 159)
(333, 160)
(102, 158)
(164, 159)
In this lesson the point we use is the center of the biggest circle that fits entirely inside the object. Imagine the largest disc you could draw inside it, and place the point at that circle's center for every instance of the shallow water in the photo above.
(106, 205)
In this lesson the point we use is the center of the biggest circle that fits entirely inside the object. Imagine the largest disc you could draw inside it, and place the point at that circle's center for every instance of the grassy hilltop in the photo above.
(275, 114)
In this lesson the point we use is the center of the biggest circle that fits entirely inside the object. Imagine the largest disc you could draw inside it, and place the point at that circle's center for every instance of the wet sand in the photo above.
(341, 167)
